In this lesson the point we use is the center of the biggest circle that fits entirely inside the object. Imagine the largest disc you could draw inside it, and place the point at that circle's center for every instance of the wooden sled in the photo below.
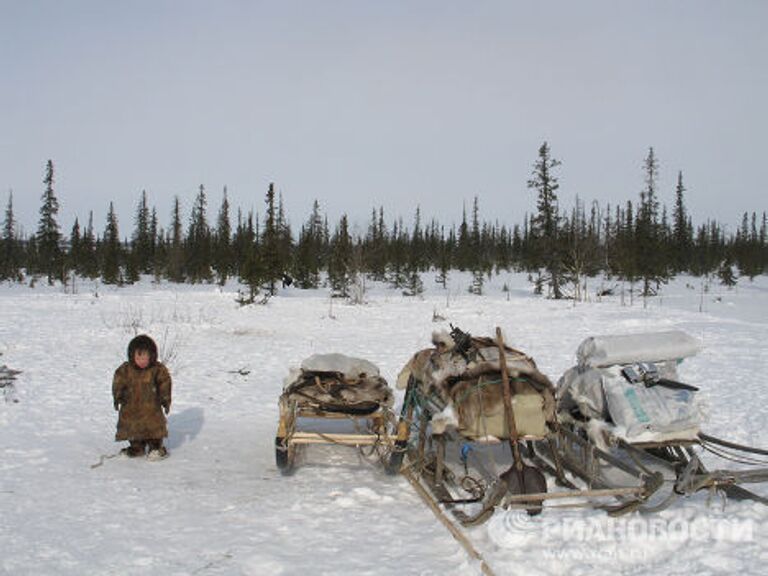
(666, 439)
(372, 430)
(329, 392)
(456, 470)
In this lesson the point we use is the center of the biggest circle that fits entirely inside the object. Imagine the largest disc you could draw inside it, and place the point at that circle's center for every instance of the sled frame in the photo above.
(288, 439)
(425, 461)
(680, 460)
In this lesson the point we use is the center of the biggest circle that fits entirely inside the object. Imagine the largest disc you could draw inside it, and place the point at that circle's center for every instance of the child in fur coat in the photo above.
(141, 391)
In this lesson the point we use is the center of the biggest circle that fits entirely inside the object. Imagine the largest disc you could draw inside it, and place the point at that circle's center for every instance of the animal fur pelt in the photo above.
(469, 380)
(350, 391)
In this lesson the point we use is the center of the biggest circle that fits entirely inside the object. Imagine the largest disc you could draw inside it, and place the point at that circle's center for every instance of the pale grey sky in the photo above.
(367, 103)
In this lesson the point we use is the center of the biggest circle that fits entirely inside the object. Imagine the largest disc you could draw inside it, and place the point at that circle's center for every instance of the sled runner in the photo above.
(624, 397)
(478, 429)
(326, 393)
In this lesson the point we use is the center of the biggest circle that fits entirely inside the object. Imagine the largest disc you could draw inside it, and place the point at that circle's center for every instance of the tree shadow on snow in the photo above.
(184, 426)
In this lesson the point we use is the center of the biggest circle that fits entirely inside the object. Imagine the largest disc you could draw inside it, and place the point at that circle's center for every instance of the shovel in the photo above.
(520, 478)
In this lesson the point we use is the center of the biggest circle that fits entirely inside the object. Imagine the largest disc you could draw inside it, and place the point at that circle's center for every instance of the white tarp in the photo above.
(600, 351)
(582, 387)
(597, 388)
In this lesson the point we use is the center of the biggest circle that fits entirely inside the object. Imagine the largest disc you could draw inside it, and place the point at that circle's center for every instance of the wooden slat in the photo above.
(574, 494)
(333, 438)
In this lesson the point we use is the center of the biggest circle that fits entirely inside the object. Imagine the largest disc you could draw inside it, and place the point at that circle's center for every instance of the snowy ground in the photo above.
(219, 505)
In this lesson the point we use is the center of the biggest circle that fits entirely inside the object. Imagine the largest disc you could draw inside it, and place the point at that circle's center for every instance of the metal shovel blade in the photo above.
(528, 480)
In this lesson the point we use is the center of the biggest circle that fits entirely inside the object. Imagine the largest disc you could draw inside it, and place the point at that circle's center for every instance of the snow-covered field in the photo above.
(218, 505)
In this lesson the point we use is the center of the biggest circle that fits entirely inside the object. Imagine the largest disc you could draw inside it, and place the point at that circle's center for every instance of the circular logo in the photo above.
(514, 529)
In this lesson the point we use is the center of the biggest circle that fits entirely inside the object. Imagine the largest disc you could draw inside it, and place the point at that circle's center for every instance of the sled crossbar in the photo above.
(334, 438)
(597, 493)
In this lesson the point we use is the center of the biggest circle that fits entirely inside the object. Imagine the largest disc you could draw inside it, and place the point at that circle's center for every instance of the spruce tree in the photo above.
(242, 241)
(175, 261)
(546, 223)
(284, 238)
(682, 239)
(431, 244)
(29, 256)
(648, 242)
(504, 250)
(111, 250)
(478, 262)
(156, 247)
(49, 256)
(309, 249)
(10, 251)
(251, 265)
(746, 248)
(270, 245)
(627, 261)
(464, 255)
(716, 247)
(418, 256)
(444, 259)
(75, 248)
(397, 256)
(142, 247)
(304, 268)
(198, 244)
(222, 253)
(237, 244)
(415, 258)
(609, 236)
(129, 264)
(88, 260)
(375, 246)
(763, 240)
(340, 265)
(580, 248)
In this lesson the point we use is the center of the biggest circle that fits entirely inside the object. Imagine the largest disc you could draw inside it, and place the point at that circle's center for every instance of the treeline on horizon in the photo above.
(636, 242)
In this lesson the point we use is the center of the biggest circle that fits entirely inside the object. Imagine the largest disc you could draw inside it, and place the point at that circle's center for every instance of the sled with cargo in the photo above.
(478, 429)
(624, 397)
(333, 399)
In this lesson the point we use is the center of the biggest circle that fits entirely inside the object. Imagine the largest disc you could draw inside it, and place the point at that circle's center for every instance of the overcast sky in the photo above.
(380, 103)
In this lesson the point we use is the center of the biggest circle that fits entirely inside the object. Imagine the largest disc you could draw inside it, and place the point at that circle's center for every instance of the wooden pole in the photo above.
(512, 425)
(455, 532)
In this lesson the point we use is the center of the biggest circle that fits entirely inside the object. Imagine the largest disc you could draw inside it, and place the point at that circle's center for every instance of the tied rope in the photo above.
(104, 457)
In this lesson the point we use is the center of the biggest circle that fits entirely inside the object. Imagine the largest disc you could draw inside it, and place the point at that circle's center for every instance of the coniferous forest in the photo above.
(640, 242)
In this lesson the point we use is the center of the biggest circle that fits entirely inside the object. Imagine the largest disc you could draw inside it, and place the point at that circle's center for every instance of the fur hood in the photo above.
(142, 342)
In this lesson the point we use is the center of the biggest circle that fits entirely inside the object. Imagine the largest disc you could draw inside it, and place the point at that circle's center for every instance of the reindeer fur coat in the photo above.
(140, 395)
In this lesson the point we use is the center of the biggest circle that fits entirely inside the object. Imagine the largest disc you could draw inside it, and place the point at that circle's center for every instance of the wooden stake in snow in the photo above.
(452, 528)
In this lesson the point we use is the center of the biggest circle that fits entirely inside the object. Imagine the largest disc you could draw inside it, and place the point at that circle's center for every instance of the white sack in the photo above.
(648, 413)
